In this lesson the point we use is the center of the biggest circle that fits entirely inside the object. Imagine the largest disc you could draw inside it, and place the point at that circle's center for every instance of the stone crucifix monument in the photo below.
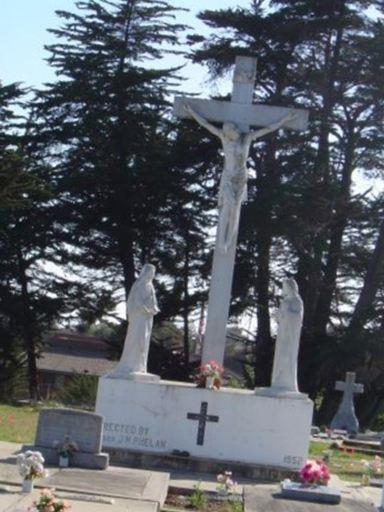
(144, 416)
(236, 136)
(345, 418)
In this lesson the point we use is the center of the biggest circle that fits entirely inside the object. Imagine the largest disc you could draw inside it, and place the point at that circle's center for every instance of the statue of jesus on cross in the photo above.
(236, 117)
(233, 183)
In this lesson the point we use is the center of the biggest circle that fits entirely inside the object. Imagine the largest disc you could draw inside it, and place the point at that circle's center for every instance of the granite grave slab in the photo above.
(320, 494)
(115, 482)
(266, 497)
(85, 428)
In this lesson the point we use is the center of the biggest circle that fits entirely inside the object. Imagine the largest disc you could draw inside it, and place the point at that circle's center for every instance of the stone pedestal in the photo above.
(137, 376)
(227, 425)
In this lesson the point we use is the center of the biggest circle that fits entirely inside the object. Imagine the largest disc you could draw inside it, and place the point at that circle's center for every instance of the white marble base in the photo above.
(137, 376)
(240, 425)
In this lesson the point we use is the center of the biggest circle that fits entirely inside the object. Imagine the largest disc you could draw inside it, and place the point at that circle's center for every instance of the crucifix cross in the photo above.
(240, 110)
(345, 418)
(202, 418)
(349, 386)
(236, 116)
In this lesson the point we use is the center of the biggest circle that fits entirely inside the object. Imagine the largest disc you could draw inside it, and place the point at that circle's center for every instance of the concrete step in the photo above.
(14, 501)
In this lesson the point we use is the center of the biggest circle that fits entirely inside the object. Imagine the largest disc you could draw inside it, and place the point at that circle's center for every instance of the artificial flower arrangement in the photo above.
(65, 450)
(314, 478)
(371, 468)
(210, 375)
(315, 473)
(31, 466)
(226, 484)
(49, 503)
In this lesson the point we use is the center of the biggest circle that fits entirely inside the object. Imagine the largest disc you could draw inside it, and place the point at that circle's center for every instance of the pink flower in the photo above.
(315, 473)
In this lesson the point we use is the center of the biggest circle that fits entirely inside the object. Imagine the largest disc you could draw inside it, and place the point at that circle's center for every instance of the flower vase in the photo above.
(209, 381)
(63, 462)
(27, 486)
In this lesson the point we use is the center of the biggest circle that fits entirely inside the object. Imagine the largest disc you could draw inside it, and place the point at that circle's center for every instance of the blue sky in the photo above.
(23, 33)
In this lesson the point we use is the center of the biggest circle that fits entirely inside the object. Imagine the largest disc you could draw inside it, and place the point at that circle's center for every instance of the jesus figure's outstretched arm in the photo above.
(201, 120)
(255, 134)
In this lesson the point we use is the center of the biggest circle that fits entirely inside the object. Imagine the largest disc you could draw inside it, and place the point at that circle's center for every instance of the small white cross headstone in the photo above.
(345, 418)
(236, 116)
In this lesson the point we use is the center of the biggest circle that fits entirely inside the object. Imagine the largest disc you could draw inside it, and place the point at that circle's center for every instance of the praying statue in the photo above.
(233, 183)
(141, 308)
(284, 375)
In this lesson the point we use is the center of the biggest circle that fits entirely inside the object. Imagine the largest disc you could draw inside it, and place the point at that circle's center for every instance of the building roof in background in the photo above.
(73, 353)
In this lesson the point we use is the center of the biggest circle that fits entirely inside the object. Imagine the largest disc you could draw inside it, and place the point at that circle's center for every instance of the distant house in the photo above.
(67, 354)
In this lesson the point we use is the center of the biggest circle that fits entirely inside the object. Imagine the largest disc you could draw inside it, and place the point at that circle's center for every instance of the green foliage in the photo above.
(236, 506)
(233, 382)
(378, 423)
(14, 385)
(112, 174)
(131, 188)
(197, 499)
(81, 390)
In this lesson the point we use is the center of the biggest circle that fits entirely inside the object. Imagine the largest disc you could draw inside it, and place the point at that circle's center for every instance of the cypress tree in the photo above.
(105, 117)
(302, 212)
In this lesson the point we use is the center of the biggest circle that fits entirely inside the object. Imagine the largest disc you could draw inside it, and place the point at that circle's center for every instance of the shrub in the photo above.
(197, 499)
(80, 391)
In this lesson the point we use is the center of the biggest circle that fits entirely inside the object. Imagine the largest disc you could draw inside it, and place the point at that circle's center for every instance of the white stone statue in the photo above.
(284, 375)
(233, 183)
(141, 308)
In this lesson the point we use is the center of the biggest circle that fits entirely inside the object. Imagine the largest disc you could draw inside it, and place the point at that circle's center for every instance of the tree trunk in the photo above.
(124, 194)
(186, 299)
(126, 257)
(372, 283)
(339, 224)
(28, 331)
(310, 262)
(266, 185)
(264, 349)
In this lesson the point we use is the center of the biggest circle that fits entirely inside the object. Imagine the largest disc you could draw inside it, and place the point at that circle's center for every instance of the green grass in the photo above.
(347, 466)
(18, 424)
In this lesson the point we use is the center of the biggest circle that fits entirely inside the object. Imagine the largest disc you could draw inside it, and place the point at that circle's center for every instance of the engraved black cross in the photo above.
(203, 417)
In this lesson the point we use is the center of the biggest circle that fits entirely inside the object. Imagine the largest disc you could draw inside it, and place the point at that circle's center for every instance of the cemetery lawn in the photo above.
(344, 463)
(18, 424)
